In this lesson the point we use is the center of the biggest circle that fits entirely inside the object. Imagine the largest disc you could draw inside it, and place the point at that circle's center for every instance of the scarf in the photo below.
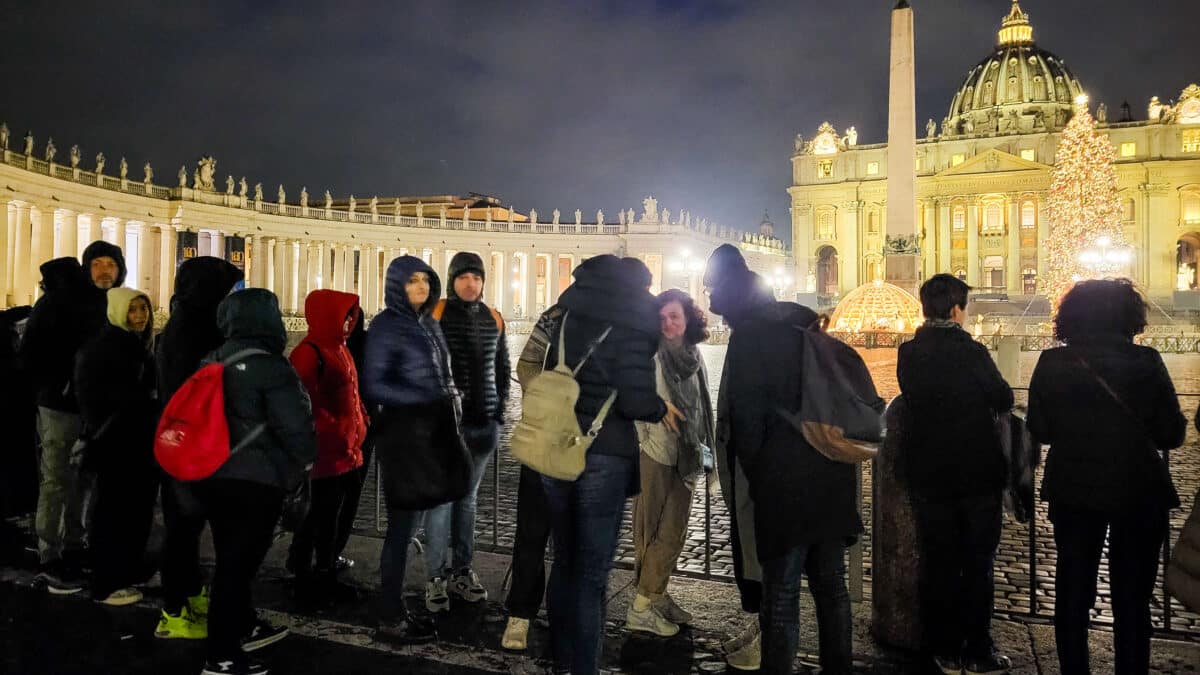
(942, 323)
(681, 365)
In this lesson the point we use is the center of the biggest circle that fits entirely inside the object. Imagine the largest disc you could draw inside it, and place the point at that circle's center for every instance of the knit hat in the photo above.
(102, 249)
(725, 264)
(463, 262)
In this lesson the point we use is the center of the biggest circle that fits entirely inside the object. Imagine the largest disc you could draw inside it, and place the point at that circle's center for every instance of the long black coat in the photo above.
(115, 379)
(800, 496)
(605, 294)
(191, 331)
(954, 391)
(1105, 455)
(18, 416)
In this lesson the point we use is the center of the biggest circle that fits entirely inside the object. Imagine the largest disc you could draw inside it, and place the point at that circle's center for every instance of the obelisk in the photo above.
(895, 547)
(902, 254)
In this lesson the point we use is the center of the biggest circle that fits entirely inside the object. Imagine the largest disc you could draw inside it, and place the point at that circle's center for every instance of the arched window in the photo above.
(1028, 216)
(959, 219)
(961, 274)
(993, 217)
(825, 230)
(1190, 208)
(987, 92)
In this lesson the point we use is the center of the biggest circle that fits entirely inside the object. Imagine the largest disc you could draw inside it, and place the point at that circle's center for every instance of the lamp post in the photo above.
(1103, 259)
(780, 282)
(690, 267)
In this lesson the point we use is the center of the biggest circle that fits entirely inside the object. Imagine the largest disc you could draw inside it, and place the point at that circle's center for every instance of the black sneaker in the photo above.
(262, 635)
(60, 579)
(234, 667)
(992, 664)
(407, 629)
(950, 665)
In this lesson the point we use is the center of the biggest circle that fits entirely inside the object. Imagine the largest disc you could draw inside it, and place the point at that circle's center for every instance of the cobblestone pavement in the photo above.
(496, 519)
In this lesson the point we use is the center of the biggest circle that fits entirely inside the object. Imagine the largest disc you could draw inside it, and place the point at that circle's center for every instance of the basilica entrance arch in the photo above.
(827, 271)
(1187, 255)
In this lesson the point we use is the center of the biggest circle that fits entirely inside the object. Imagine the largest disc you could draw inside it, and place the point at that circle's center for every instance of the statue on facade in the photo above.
(4, 136)
(533, 216)
(556, 215)
(258, 193)
(442, 212)
(229, 185)
(1154, 110)
(420, 209)
(1012, 121)
(123, 168)
(100, 163)
(75, 156)
(851, 137)
(353, 204)
(968, 126)
(1039, 120)
(206, 174)
(147, 173)
(28, 143)
(243, 187)
(798, 142)
(328, 200)
(621, 217)
(182, 176)
(930, 128)
(629, 217)
(282, 196)
(1060, 118)
(1102, 113)
(650, 210)
(396, 207)
(51, 151)
(578, 216)
(599, 217)
(666, 217)
(374, 204)
(303, 197)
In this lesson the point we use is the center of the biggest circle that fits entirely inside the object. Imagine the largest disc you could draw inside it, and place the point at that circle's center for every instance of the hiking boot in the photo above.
(262, 635)
(234, 667)
(466, 585)
(121, 597)
(649, 620)
(673, 612)
(992, 664)
(182, 626)
(751, 631)
(516, 634)
(748, 657)
(407, 629)
(198, 604)
(60, 579)
(436, 599)
(949, 664)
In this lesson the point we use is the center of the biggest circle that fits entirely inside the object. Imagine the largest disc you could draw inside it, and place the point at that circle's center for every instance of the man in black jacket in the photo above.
(805, 505)
(955, 472)
(479, 362)
(71, 312)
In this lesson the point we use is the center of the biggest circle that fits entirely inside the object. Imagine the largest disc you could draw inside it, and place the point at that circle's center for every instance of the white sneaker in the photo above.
(649, 620)
(516, 634)
(673, 612)
(749, 657)
(436, 599)
(121, 597)
(467, 586)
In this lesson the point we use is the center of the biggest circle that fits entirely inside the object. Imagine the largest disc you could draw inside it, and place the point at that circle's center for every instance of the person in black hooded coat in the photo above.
(585, 514)
(18, 416)
(191, 333)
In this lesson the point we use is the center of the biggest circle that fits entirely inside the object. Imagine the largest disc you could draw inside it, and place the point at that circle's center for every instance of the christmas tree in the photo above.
(1086, 239)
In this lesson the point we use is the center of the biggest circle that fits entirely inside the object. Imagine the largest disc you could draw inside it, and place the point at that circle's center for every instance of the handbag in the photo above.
(1183, 571)
(422, 454)
(296, 505)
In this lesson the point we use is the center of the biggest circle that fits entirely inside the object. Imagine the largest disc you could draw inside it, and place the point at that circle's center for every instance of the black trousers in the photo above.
(529, 548)
(958, 545)
(350, 509)
(124, 496)
(321, 531)
(184, 519)
(1134, 546)
(243, 516)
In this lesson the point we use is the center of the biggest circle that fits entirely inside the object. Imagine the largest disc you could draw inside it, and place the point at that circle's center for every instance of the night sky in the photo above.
(565, 104)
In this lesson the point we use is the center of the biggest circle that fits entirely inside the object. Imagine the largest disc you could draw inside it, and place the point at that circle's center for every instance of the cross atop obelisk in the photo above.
(902, 252)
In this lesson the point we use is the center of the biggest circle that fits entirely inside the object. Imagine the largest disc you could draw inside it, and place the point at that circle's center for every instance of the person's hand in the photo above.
(673, 417)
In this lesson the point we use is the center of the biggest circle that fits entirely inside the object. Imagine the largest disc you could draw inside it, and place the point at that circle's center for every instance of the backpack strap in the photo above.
(241, 354)
(497, 318)
(258, 430)
(598, 420)
(320, 359)
(591, 348)
(439, 309)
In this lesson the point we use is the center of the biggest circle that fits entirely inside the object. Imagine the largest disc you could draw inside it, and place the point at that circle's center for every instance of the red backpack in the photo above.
(192, 440)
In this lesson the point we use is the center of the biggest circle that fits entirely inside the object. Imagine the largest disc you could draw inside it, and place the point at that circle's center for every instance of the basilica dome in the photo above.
(876, 307)
(1018, 88)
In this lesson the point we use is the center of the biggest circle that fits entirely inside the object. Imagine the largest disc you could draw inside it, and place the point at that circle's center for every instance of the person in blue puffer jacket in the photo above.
(407, 385)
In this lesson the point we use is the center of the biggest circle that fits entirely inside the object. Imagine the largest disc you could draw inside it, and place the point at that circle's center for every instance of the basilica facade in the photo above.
(983, 173)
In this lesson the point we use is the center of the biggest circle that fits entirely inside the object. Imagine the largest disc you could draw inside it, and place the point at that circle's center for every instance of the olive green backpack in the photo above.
(548, 438)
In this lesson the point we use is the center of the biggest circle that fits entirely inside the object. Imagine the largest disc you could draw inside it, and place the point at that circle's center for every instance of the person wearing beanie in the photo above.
(71, 311)
(115, 386)
(479, 363)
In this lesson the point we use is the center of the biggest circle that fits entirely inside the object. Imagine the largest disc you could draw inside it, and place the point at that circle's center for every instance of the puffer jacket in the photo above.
(478, 349)
(71, 312)
(263, 389)
(327, 370)
(610, 292)
(191, 331)
(1104, 455)
(406, 361)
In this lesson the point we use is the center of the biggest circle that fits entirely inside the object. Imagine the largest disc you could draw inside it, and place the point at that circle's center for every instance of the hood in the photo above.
(725, 262)
(253, 315)
(204, 281)
(461, 263)
(326, 311)
(613, 290)
(738, 294)
(100, 249)
(63, 275)
(397, 275)
(119, 300)
(791, 313)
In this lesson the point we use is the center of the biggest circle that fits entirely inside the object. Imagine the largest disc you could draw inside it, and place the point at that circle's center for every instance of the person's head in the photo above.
(416, 289)
(466, 277)
(104, 264)
(680, 318)
(410, 285)
(1099, 309)
(944, 296)
(130, 310)
(724, 265)
(331, 315)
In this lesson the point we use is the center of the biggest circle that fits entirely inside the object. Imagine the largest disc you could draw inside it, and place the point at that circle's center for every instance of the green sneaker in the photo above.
(199, 605)
(182, 627)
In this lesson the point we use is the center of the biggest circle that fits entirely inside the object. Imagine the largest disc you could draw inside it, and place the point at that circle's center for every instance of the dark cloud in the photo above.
(569, 104)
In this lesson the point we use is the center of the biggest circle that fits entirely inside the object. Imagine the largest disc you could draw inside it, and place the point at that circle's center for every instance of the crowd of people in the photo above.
(424, 391)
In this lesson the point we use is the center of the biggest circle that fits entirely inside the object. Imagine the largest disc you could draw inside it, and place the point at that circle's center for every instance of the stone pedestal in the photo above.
(895, 548)
(902, 269)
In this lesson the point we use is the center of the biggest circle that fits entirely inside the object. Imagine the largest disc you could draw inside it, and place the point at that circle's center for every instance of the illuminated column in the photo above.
(929, 252)
(973, 242)
(41, 238)
(346, 274)
(279, 270)
(64, 242)
(166, 260)
(1012, 266)
(303, 275)
(120, 233)
(943, 244)
(529, 280)
(258, 261)
(95, 229)
(23, 279)
(145, 266)
(216, 242)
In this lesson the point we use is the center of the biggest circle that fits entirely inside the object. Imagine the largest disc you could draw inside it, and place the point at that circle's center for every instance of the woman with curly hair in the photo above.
(1107, 408)
(669, 463)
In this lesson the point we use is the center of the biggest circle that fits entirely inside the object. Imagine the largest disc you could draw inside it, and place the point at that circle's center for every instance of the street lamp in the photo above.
(1103, 259)
(780, 281)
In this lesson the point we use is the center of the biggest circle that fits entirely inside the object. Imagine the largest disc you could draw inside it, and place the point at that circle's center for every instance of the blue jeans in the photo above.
(825, 567)
(585, 519)
(453, 524)
(393, 561)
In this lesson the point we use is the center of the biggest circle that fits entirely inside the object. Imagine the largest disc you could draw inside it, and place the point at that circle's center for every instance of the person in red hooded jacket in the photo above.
(327, 370)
